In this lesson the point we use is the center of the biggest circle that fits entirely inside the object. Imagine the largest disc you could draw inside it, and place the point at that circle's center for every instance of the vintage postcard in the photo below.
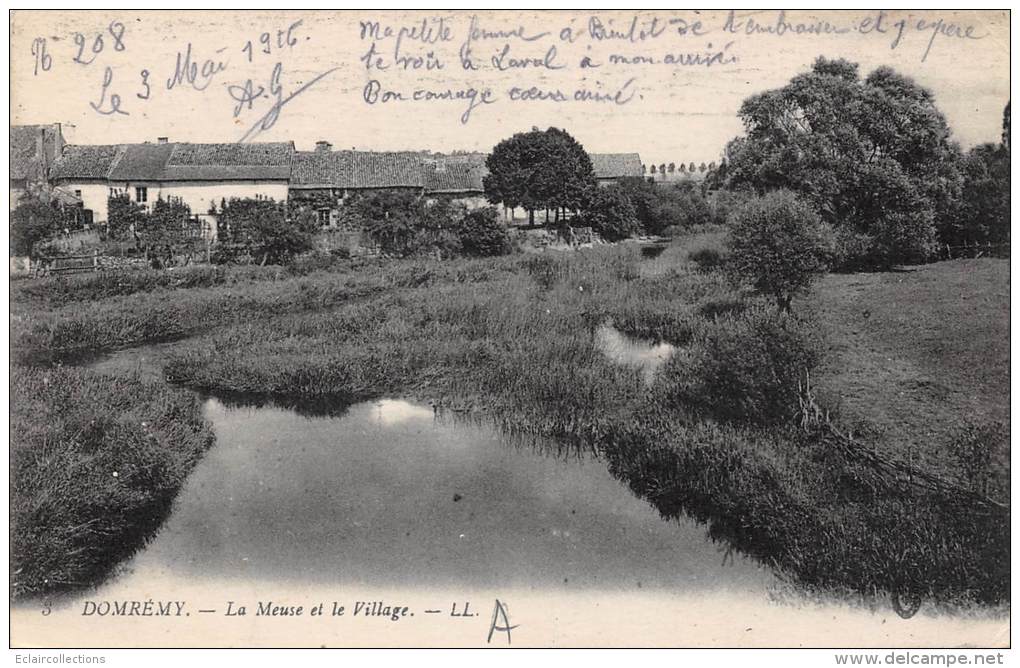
(474, 328)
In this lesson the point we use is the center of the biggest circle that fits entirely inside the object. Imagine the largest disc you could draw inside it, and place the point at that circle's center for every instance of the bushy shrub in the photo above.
(482, 234)
(123, 217)
(32, 222)
(903, 237)
(745, 366)
(610, 214)
(724, 202)
(707, 258)
(392, 219)
(436, 228)
(167, 230)
(847, 249)
(689, 204)
(260, 230)
(776, 244)
(660, 207)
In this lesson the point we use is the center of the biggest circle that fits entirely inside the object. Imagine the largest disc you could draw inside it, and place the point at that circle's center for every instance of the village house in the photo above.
(200, 175)
(611, 167)
(34, 148)
(457, 177)
(203, 175)
(83, 170)
(325, 179)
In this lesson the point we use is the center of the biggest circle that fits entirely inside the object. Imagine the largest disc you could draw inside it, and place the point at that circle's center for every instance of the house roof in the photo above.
(457, 173)
(141, 162)
(616, 165)
(436, 173)
(176, 162)
(356, 169)
(26, 161)
(85, 161)
(214, 162)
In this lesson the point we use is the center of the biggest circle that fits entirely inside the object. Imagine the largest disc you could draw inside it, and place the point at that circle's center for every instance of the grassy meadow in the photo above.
(720, 433)
(919, 356)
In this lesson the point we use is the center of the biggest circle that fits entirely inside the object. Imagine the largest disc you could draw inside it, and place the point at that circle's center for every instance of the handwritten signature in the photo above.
(247, 94)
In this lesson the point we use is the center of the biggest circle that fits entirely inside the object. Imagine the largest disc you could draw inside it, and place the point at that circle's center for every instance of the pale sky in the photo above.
(670, 112)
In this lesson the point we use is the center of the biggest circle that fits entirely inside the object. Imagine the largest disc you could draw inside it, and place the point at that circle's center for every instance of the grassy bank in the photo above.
(717, 434)
(919, 358)
(95, 464)
(53, 319)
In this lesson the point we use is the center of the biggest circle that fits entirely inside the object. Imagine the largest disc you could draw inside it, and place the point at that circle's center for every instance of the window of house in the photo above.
(141, 194)
(323, 217)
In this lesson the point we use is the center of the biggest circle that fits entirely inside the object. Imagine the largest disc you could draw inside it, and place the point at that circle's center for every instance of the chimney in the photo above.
(323, 146)
(162, 140)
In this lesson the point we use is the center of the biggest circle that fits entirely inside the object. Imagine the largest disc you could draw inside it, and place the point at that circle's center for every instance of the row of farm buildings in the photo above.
(203, 175)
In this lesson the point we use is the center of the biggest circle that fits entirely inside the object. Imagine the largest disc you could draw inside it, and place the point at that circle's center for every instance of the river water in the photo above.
(389, 499)
(391, 493)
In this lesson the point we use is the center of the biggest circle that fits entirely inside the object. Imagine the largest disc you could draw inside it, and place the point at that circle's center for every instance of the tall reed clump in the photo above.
(744, 366)
(95, 464)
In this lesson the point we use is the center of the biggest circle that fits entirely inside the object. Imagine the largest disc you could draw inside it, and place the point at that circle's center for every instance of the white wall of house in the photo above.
(470, 202)
(199, 195)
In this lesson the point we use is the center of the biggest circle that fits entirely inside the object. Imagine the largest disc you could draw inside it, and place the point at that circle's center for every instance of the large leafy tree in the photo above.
(874, 156)
(541, 169)
(983, 214)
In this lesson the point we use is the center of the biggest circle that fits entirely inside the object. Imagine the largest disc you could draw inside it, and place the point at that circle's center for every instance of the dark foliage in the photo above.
(262, 231)
(482, 234)
(610, 214)
(776, 245)
(95, 464)
(32, 222)
(167, 230)
(983, 215)
(541, 169)
(872, 156)
(747, 366)
(124, 217)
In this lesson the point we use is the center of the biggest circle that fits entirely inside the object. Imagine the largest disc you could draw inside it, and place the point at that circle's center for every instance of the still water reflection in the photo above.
(633, 352)
(388, 494)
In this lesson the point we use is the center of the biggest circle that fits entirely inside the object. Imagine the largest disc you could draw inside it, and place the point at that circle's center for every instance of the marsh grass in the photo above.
(95, 464)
